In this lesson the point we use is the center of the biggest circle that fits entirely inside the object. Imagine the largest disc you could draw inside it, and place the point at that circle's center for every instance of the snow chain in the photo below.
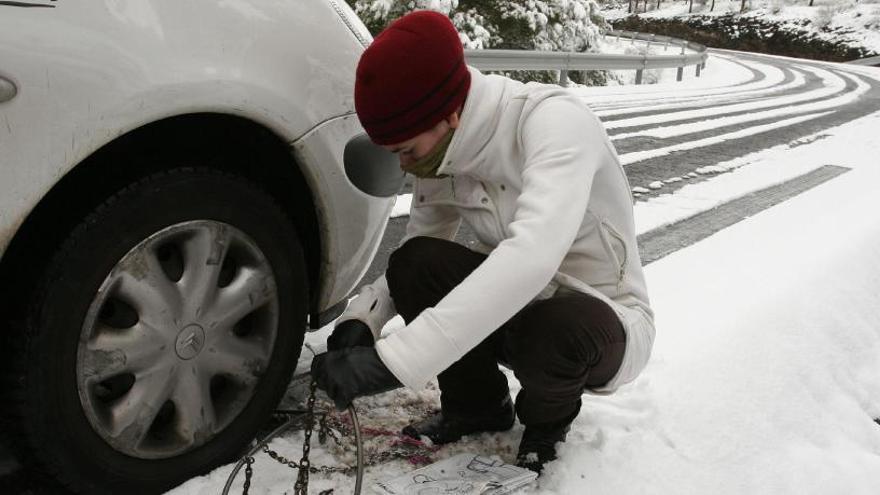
(302, 479)
(414, 451)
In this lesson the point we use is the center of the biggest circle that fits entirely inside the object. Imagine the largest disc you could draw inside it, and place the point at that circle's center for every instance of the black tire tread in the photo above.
(22, 435)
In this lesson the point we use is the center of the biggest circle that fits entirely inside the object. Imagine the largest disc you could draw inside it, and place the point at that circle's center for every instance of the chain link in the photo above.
(414, 451)
(248, 474)
(302, 480)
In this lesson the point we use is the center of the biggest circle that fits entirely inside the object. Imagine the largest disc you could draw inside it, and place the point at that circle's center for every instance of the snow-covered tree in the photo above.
(553, 25)
(568, 25)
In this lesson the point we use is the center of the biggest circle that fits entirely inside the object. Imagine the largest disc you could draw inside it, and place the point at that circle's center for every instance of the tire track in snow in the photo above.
(853, 89)
(822, 84)
(808, 86)
(800, 83)
(683, 162)
(618, 96)
(638, 156)
(773, 82)
(846, 97)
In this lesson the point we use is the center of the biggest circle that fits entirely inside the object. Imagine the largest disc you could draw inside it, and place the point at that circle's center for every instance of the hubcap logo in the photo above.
(190, 341)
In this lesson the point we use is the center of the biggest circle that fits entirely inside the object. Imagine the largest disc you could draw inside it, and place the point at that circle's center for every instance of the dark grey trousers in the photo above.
(556, 347)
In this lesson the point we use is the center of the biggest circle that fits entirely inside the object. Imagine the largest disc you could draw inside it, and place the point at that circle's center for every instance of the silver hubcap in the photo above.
(176, 339)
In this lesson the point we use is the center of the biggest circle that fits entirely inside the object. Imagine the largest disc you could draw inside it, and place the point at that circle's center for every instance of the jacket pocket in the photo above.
(615, 247)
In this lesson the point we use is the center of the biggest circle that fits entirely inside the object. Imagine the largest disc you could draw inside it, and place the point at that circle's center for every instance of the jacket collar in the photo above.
(479, 121)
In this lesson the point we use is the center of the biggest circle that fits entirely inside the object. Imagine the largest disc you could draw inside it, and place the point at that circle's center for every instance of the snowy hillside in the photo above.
(571, 25)
(846, 22)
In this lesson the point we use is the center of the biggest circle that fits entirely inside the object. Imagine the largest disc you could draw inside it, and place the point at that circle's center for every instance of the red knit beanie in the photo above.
(410, 78)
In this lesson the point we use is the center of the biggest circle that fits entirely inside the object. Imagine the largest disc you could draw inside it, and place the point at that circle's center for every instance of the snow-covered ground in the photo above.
(765, 376)
(846, 21)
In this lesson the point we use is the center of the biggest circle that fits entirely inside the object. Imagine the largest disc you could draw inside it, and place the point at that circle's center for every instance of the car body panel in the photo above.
(89, 72)
(341, 212)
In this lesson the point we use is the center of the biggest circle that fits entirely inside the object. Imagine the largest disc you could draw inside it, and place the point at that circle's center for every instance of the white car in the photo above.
(184, 189)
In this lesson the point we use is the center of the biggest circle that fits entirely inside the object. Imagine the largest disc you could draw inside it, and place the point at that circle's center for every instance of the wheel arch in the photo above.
(222, 141)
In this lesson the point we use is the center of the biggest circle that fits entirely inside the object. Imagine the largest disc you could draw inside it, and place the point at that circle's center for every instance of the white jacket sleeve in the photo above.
(374, 305)
(562, 143)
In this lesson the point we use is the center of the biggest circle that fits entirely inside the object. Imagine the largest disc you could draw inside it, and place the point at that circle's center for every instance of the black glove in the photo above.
(350, 333)
(350, 373)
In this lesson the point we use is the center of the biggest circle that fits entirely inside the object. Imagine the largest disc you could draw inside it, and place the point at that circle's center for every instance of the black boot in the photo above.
(446, 428)
(538, 444)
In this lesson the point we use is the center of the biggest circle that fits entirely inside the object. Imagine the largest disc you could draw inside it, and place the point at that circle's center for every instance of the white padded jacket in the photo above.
(534, 175)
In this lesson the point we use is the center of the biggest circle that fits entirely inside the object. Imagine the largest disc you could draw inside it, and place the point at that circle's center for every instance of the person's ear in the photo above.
(453, 120)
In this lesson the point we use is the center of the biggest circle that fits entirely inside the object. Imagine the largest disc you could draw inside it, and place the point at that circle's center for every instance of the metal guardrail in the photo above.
(569, 61)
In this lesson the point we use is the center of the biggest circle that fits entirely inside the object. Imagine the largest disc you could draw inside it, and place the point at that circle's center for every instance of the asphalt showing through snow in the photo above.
(627, 145)
(660, 242)
(708, 102)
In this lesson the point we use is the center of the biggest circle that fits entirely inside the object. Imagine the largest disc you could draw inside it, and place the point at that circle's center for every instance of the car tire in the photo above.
(137, 331)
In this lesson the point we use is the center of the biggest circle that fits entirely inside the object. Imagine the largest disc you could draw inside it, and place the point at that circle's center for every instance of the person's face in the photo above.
(417, 147)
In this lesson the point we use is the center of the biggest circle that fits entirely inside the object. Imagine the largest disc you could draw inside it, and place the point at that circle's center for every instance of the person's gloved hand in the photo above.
(346, 374)
(350, 333)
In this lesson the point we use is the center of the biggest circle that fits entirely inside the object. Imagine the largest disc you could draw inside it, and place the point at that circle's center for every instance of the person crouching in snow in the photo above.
(554, 289)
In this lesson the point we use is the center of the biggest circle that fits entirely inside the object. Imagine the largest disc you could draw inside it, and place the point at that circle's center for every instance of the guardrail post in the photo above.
(639, 76)
(563, 78)
(680, 74)
(698, 70)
